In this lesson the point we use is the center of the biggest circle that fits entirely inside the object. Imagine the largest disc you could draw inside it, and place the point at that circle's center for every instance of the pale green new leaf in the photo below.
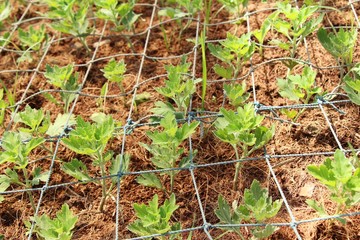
(58, 126)
(342, 167)
(58, 75)
(114, 71)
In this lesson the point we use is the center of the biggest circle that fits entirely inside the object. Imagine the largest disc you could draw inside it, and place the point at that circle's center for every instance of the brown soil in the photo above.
(312, 136)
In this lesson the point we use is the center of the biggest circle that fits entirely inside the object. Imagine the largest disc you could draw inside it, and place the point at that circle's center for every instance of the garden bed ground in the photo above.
(292, 149)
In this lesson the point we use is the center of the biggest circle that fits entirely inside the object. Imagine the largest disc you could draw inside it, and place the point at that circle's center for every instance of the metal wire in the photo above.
(132, 124)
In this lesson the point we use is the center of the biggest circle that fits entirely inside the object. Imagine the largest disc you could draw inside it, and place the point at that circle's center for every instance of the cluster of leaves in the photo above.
(235, 7)
(299, 88)
(296, 24)
(91, 140)
(179, 87)
(190, 7)
(58, 228)
(352, 84)
(242, 129)
(341, 178)
(63, 78)
(72, 17)
(153, 219)
(5, 10)
(234, 51)
(339, 44)
(237, 94)
(114, 72)
(16, 151)
(121, 14)
(257, 206)
(32, 38)
(165, 150)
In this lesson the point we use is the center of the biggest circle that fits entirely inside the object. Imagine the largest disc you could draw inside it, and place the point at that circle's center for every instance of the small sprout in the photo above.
(59, 227)
(153, 219)
(341, 179)
(113, 72)
(257, 205)
(63, 78)
(242, 129)
(299, 88)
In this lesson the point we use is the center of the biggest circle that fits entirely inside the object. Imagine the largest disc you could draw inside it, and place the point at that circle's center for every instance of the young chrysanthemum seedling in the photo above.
(242, 129)
(342, 179)
(257, 205)
(152, 219)
(166, 151)
(298, 88)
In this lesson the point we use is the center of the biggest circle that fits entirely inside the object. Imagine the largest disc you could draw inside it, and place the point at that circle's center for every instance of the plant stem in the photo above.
(27, 185)
(103, 184)
(204, 68)
(237, 168)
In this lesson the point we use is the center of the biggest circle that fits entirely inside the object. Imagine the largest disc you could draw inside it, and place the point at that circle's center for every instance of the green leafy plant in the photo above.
(121, 14)
(352, 84)
(5, 10)
(153, 219)
(341, 178)
(91, 140)
(36, 122)
(71, 17)
(31, 40)
(3, 106)
(236, 93)
(260, 34)
(63, 78)
(234, 51)
(190, 8)
(16, 151)
(257, 206)
(179, 87)
(295, 24)
(242, 129)
(58, 228)
(165, 149)
(299, 88)
(235, 7)
(339, 44)
(113, 72)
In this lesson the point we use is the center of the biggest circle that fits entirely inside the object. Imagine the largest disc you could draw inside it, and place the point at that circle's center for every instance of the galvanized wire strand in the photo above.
(191, 169)
(129, 120)
(293, 224)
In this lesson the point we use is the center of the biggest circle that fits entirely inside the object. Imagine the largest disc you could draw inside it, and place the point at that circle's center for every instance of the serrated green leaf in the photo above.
(59, 124)
(226, 73)
(76, 169)
(261, 233)
(317, 207)
(149, 180)
(342, 167)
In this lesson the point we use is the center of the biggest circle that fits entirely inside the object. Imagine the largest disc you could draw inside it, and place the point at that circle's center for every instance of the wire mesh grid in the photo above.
(192, 115)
